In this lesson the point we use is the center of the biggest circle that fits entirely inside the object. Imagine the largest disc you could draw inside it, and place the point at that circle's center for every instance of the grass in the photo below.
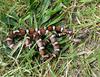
(82, 60)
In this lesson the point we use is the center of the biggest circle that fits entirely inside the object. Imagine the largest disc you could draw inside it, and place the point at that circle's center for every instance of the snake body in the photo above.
(34, 34)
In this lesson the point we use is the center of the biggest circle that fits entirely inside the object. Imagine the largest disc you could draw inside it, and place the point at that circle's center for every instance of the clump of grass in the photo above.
(82, 60)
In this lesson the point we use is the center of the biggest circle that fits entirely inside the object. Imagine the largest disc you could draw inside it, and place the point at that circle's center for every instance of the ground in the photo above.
(75, 60)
